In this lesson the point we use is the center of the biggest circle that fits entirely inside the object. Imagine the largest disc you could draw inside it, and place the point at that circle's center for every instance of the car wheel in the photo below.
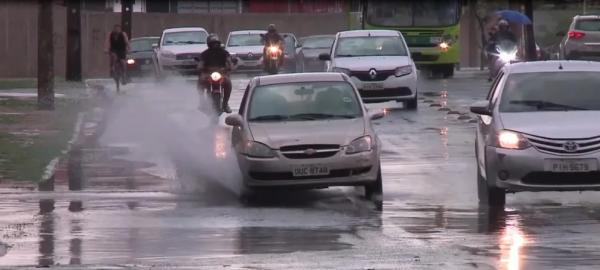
(411, 104)
(374, 191)
(490, 196)
(448, 71)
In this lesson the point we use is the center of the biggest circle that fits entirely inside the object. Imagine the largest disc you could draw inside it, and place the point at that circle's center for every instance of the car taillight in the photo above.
(576, 34)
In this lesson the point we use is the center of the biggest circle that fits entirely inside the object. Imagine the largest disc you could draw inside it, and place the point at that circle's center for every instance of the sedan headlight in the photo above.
(130, 61)
(511, 140)
(342, 70)
(257, 150)
(167, 54)
(362, 144)
(403, 71)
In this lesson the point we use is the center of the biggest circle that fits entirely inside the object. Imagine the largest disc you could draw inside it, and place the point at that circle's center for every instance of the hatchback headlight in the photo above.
(257, 150)
(167, 54)
(342, 70)
(403, 71)
(362, 144)
(512, 140)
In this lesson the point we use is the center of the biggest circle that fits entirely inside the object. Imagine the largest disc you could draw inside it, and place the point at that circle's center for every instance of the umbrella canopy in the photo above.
(514, 16)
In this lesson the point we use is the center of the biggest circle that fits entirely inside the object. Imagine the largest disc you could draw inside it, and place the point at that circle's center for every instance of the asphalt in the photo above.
(159, 191)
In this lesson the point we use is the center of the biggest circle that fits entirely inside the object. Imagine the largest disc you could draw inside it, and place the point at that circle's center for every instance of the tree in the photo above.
(45, 63)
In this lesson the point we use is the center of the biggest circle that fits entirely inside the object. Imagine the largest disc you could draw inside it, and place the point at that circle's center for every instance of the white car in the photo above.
(538, 130)
(177, 49)
(248, 47)
(379, 64)
(306, 130)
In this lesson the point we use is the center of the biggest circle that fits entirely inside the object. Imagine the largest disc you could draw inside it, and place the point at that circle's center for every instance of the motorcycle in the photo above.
(505, 52)
(273, 58)
(214, 89)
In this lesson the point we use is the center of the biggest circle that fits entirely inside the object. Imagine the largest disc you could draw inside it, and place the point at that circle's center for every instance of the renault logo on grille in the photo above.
(373, 73)
(571, 146)
(250, 55)
(310, 152)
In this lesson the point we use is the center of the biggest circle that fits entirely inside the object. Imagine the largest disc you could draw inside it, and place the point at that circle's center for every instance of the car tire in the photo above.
(490, 196)
(448, 71)
(374, 191)
(411, 104)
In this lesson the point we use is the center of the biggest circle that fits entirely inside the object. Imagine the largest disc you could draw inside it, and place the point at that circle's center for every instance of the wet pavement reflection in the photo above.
(168, 205)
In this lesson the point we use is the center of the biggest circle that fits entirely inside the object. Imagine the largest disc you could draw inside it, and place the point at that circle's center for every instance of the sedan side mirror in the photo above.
(377, 115)
(234, 120)
(154, 45)
(324, 57)
(481, 108)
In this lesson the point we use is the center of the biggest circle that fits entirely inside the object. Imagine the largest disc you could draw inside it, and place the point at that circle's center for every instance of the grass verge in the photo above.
(30, 139)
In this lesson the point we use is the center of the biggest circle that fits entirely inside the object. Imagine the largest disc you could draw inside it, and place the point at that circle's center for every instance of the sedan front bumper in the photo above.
(526, 170)
(344, 170)
(394, 88)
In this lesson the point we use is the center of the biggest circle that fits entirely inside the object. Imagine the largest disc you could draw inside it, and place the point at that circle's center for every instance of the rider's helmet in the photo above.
(503, 25)
(271, 28)
(212, 41)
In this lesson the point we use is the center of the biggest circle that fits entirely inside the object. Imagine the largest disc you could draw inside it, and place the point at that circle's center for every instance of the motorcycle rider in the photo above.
(272, 38)
(502, 33)
(117, 46)
(216, 57)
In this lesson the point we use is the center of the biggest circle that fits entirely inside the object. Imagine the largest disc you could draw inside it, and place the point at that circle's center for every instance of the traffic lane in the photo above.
(430, 218)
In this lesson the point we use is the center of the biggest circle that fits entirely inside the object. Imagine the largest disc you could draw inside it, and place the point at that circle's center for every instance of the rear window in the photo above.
(551, 91)
(588, 25)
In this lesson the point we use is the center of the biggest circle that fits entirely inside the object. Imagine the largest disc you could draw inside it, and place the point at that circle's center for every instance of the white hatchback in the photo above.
(177, 49)
(379, 64)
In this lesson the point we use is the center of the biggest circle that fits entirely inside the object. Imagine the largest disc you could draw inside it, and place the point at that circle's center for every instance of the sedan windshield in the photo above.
(370, 46)
(551, 91)
(185, 38)
(304, 102)
(317, 42)
(143, 45)
(244, 40)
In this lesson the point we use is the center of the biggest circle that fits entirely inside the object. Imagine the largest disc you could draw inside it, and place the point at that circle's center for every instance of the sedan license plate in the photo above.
(571, 165)
(373, 86)
(310, 170)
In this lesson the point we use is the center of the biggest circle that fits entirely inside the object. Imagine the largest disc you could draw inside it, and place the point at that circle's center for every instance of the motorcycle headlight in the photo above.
(403, 71)
(341, 70)
(216, 76)
(167, 54)
(507, 56)
(130, 61)
(511, 140)
(273, 49)
(362, 144)
(257, 150)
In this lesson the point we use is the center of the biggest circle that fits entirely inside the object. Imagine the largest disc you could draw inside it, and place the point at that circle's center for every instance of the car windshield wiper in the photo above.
(346, 55)
(274, 117)
(315, 116)
(539, 104)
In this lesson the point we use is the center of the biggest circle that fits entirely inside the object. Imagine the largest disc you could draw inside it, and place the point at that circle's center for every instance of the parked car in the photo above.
(538, 130)
(307, 130)
(139, 58)
(582, 42)
(248, 47)
(177, 49)
(379, 64)
(309, 49)
(289, 52)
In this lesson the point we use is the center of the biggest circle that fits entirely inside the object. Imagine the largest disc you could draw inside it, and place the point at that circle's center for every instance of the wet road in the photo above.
(159, 192)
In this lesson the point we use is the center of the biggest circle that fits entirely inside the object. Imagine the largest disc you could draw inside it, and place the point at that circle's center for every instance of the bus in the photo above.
(430, 27)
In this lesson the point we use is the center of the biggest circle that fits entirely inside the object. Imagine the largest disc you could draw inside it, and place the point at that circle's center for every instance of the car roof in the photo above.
(587, 17)
(369, 33)
(300, 77)
(184, 29)
(248, 32)
(317, 36)
(553, 66)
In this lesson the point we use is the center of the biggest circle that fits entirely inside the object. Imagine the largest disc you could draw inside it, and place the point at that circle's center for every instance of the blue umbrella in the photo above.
(514, 16)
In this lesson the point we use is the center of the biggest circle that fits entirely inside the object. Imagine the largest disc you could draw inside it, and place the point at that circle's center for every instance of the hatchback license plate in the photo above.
(571, 165)
(373, 86)
(310, 170)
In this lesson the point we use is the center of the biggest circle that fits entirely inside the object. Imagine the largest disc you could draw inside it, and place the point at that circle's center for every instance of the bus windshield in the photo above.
(415, 13)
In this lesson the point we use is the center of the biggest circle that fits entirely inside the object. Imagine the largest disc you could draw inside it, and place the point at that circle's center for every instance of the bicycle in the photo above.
(117, 72)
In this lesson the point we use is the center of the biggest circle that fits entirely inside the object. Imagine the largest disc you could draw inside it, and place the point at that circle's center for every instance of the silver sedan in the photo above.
(307, 130)
(538, 130)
